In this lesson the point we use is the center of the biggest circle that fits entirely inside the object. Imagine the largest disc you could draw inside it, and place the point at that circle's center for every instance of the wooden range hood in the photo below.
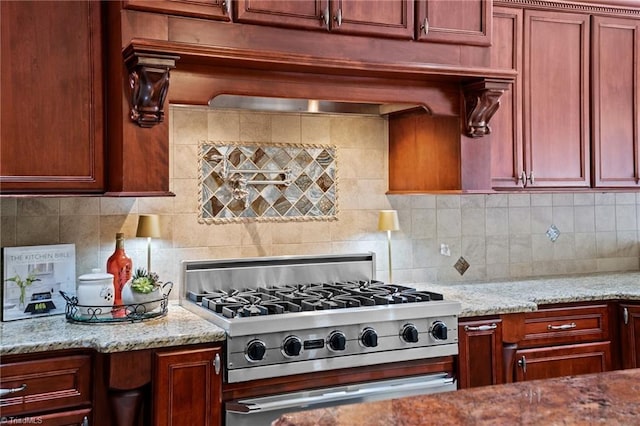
(146, 73)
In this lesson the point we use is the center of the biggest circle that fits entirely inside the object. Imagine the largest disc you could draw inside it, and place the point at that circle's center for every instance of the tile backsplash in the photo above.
(501, 236)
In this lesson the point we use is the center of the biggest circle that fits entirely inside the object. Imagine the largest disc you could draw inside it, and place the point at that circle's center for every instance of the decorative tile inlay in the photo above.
(553, 233)
(266, 182)
(461, 265)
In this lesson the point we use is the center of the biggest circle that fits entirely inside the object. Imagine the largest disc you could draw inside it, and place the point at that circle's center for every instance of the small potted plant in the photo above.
(144, 290)
(23, 284)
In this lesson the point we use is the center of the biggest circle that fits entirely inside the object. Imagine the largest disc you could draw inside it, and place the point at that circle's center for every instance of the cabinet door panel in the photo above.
(630, 336)
(548, 362)
(52, 97)
(616, 96)
(187, 390)
(306, 14)
(556, 94)
(454, 21)
(388, 18)
(212, 9)
(480, 357)
(506, 124)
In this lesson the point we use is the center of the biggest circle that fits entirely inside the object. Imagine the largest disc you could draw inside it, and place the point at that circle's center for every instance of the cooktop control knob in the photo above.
(291, 346)
(439, 330)
(369, 338)
(410, 333)
(255, 350)
(337, 341)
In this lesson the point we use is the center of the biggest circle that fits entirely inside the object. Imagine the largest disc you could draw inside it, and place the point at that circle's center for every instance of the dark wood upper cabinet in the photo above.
(556, 99)
(387, 18)
(52, 97)
(507, 159)
(454, 21)
(211, 9)
(615, 101)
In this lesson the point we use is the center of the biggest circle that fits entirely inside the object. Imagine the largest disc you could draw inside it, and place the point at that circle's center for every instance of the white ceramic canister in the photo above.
(95, 294)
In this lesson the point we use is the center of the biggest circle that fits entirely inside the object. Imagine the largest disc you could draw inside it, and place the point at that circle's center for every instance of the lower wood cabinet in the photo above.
(565, 360)
(187, 387)
(54, 390)
(630, 335)
(480, 353)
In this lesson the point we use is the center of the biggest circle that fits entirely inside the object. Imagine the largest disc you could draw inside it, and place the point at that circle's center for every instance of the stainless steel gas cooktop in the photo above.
(292, 315)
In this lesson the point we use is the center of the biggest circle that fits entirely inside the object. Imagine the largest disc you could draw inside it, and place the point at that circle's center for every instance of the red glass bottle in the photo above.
(120, 266)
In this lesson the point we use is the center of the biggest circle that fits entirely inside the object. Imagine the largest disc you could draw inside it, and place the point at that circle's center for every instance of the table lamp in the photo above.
(388, 221)
(149, 227)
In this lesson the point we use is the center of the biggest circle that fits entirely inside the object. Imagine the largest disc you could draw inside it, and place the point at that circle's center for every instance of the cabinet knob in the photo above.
(338, 17)
(425, 26)
(325, 17)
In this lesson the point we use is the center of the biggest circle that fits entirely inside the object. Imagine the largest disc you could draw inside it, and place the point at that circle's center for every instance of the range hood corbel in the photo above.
(481, 101)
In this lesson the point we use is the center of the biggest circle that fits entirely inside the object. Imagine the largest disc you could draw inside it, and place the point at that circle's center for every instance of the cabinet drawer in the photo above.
(554, 326)
(46, 384)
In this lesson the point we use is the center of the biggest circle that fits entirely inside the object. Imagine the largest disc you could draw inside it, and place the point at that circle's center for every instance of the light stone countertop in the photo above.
(504, 297)
(178, 327)
(181, 327)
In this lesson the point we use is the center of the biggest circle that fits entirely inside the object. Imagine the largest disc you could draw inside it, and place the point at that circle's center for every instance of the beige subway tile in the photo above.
(447, 202)
(563, 218)
(625, 198)
(618, 264)
(8, 231)
(38, 207)
(185, 164)
(8, 206)
(75, 206)
(585, 245)
(498, 271)
(473, 221)
(497, 200)
(448, 222)
(286, 128)
(626, 216)
(562, 199)
(520, 270)
(189, 125)
(423, 201)
(223, 126)
(255, 127)
(541, 200)
(472, 201)
(564, 247)
(519, 200)
(519, 220)
(497, 221)
(606, 244)
(187, 196)
(423, 223)
(541, 248)
(627, 243)
(156, 205)
(605, 218)
(474, 250)
(497, 249)
(37, 230)
(583, 199)
(118, 205)
(316, 129)
(605, 198)
(584, 219)
(520, 248)
(541, 219)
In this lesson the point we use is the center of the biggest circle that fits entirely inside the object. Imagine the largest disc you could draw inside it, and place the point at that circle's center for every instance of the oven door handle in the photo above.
(359, 393)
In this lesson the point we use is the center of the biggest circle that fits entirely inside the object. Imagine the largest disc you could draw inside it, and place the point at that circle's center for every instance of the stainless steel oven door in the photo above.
(264, 410)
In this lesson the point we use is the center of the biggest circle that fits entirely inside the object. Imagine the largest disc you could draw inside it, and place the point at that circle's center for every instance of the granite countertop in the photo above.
(611, 398)
(178, 327)
(504, 297)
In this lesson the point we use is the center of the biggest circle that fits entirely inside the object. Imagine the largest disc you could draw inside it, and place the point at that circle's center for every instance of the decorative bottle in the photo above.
(120, 266)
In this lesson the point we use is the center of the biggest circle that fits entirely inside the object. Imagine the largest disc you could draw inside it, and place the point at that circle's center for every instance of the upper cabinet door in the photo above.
(211, 9)
(454, 21)
(616, 96)
(507, 158)
(386, 18)
(52, 97)
(556, 99)
(305, 14)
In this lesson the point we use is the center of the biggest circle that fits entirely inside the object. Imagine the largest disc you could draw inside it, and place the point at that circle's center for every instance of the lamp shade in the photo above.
(148, 226)
(388, 220)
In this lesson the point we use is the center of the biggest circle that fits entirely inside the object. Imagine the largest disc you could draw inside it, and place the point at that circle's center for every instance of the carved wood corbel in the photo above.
(149, 83)
(481, 101)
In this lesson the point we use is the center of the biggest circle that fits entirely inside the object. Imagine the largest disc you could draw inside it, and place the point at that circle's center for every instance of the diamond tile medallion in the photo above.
(241, 182)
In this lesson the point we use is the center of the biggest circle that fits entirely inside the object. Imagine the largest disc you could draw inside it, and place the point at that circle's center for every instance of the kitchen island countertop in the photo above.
(503, 297)
(611, 398)
(178, 327)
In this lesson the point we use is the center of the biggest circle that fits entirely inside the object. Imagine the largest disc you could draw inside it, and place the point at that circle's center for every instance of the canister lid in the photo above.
(96, 275)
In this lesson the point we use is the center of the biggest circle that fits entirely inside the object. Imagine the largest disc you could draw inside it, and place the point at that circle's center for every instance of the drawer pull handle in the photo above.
(522, 362)
(481, 327)
(4, 392)
(561, 327)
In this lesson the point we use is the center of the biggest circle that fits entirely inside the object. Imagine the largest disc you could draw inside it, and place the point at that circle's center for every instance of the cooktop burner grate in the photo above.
(282, 299)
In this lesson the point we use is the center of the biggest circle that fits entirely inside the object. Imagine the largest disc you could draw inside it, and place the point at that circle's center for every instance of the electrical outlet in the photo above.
(444, 250)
